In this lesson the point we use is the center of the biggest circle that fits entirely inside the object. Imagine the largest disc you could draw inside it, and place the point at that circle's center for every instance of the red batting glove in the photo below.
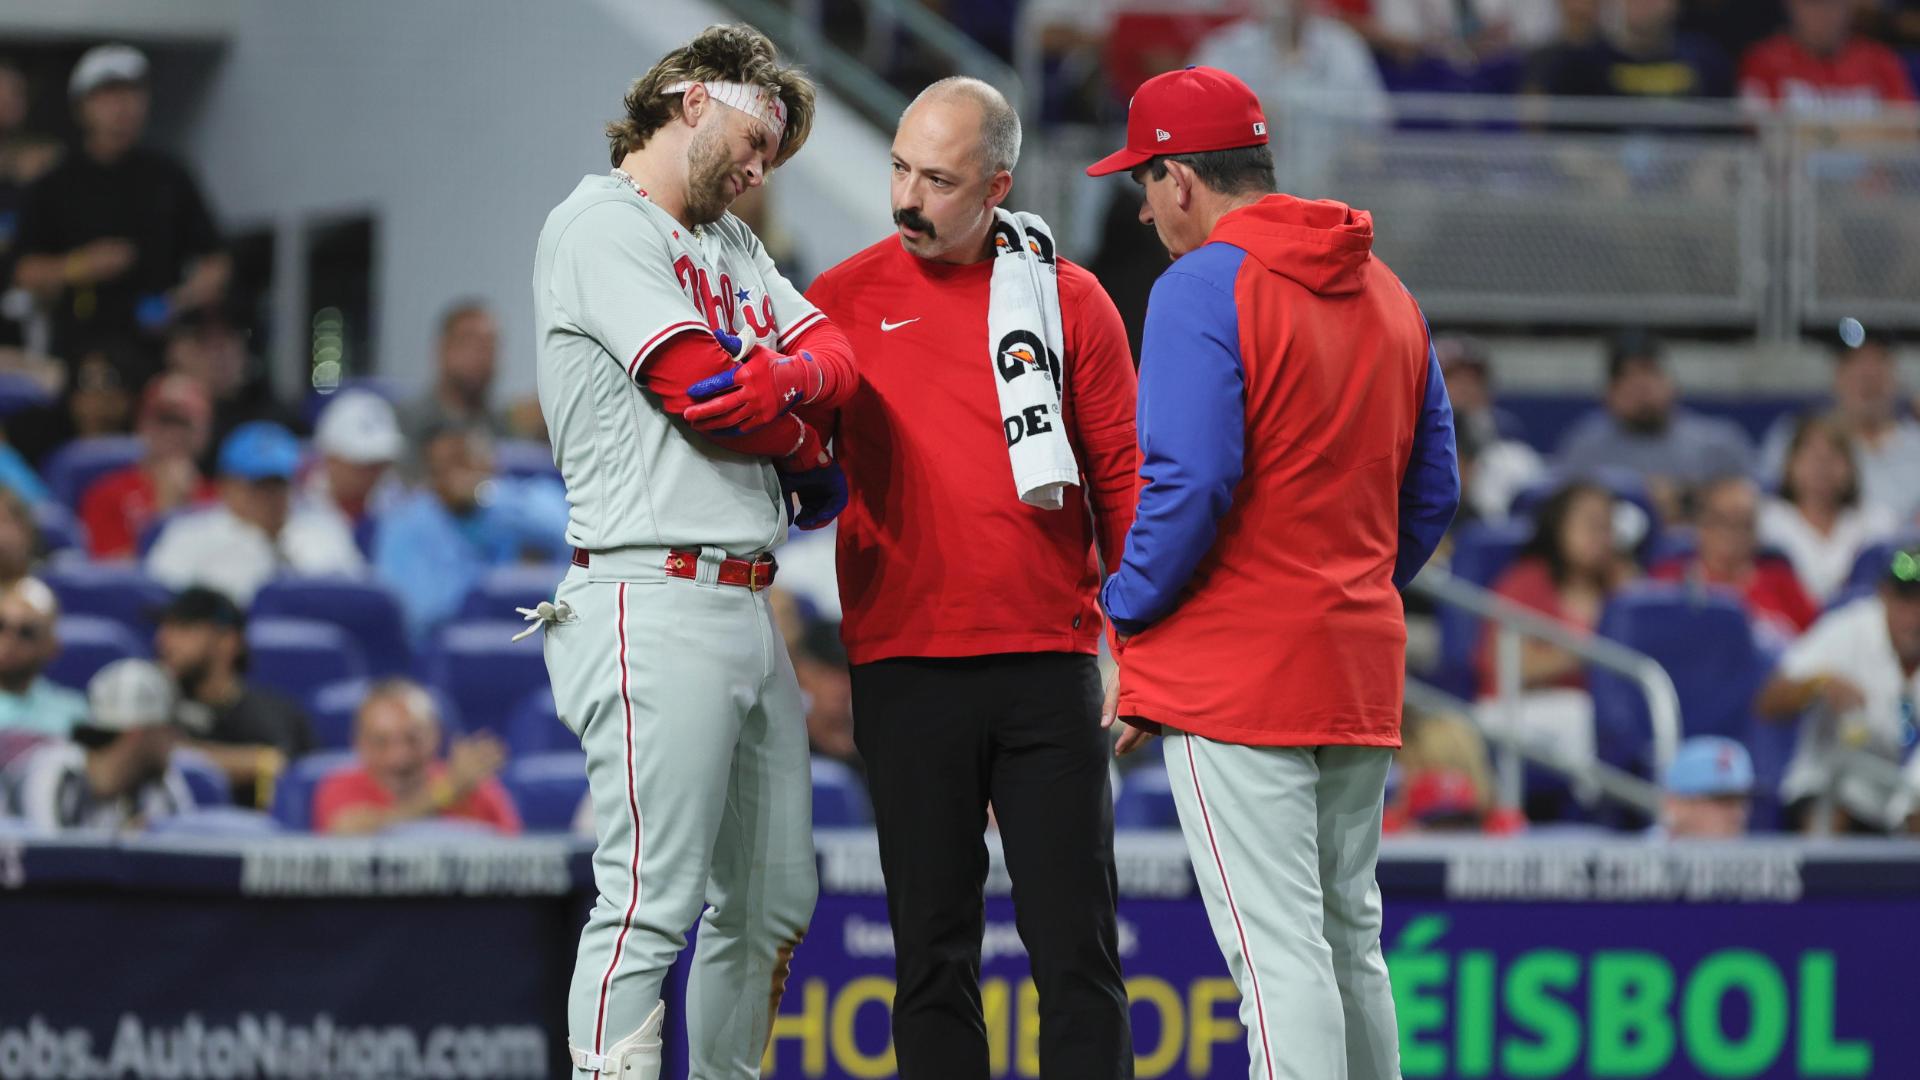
(754, 393)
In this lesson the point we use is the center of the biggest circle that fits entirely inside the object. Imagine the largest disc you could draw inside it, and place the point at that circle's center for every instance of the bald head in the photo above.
(966, 100)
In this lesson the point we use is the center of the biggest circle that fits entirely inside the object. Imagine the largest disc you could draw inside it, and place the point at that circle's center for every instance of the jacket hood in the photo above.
(1322, 244)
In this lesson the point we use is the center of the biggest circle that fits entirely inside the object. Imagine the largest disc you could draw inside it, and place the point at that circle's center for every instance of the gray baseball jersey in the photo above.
(615, 278)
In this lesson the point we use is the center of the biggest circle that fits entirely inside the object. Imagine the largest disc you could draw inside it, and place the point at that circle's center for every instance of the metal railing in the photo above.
(1512, 625)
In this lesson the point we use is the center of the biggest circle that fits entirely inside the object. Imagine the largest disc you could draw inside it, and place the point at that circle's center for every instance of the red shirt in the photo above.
(1853, 82)
(488, 802)
(1771, 594)
(119, 505)
(937, 554)
(1530, 584)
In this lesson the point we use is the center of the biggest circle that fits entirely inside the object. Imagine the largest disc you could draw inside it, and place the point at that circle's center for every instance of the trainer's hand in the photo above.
(1131, 738)
(755, 392)
(1110, 711)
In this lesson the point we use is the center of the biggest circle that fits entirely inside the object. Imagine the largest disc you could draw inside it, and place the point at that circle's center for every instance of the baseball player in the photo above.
(660, 644)
(1297, 448)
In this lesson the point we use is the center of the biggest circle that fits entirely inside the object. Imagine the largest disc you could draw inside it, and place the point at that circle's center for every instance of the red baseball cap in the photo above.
(1189, 111)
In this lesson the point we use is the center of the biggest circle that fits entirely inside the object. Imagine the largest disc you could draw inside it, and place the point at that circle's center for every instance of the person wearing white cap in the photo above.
(29, 640)
(359, 441)
(117, 237)
(116, 774)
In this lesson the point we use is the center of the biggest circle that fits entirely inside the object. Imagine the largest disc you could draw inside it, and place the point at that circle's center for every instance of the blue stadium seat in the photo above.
(515, 585)
(317, 402)
(535, 728)
(1145, 801)
(19, 392)
(70, 470)
(89, 643)
(1481, 553)
(367, 612)
(60, 531)
(298, 656)
(1706, 643)
(332, 708)
(523, 457)
(218, 821)
(484, 671)
(293, 797)
(547, 789)
(150, 532)
(839, 796)
(440, 828)
(117, 591)
(1870, 566)
(208, 784)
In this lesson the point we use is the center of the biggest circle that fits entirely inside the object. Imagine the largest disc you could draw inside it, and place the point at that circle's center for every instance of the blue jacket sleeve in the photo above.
(1430, 491)
(1192, 422)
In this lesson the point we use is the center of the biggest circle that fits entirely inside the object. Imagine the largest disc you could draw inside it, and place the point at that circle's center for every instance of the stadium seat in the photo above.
(484, 671)
(209, 785)
(89, 643)
(515, 585)
(1481, 553)
(535, 728)
(60, 531)
(333, 706)
(293, 797)
(217, 821)
(150, 532)
(367, 613)
(18, 392)
(547, 789)
(839, 796)
(1705, 642)
(117, 591)
(298, 656)
(523, 457)
(70, 470)
(1145, 801)
(1870, 566)
(317, 402)
(440, 828)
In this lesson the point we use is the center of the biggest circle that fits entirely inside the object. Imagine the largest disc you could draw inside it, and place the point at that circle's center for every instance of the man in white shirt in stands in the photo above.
(256, 532)
(359, 442)
(116, 774)
(1855, 677)
(1871, 408)
(29, 640)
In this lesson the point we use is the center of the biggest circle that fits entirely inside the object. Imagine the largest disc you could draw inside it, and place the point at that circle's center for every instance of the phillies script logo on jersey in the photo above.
(725, 307)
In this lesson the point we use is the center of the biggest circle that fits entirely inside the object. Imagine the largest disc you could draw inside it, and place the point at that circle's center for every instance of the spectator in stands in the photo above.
(1734, 25)
(1708, 790)
(19, 539)
(1644, 430)
(820, 663)
(1818, 518)
(1577, 34)
(209, 343)
(116, 774)
(435, 546)
(1646, 57)
(176, 420)
(1869, 406)
(249, 732)
(359, 441)
(29, 640)
(1727, 522)
(463, 384)
(1820, 69)
(396, 736)
(20, 165)
(1495, 465)
(256, 531)
(1853, 681)
(1318, 80)
(95, 398)
(116, 238)
(1446, 783)
(1457, 45)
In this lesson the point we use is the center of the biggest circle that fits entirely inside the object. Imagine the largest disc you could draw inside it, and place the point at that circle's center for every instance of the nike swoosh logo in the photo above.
(885, 325)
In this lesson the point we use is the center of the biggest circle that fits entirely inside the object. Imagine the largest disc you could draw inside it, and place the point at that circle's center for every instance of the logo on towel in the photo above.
(1022, 351)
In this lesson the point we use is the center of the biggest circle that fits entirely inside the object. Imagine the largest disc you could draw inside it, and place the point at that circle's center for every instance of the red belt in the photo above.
(755, 573)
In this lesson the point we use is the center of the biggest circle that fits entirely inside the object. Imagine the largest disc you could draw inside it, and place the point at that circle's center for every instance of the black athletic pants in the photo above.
(941, 739)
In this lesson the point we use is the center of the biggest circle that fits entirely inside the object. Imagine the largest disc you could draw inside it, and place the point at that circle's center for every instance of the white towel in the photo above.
(1025, 343)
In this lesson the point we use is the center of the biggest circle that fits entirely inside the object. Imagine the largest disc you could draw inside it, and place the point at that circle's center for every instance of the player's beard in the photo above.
(709, 180)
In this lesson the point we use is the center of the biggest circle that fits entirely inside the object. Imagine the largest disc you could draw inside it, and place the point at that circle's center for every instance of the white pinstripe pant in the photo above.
(1283, 842)
(686, 704)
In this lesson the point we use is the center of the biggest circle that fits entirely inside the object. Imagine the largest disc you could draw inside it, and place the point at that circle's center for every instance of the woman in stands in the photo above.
(1567, 572)
(1818, 519)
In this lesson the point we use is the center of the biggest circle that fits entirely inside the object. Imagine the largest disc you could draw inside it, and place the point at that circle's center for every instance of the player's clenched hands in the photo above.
(753, 393)
(473, 759)
(1134, 732)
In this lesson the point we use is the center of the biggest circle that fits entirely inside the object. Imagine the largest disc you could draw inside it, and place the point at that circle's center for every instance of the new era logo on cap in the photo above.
(1212, 109)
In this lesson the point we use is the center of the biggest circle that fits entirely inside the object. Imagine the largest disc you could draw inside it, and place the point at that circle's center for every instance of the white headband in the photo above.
(756, 101)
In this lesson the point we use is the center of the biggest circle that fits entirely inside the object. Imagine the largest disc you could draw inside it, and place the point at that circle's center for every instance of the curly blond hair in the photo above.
(732, 53)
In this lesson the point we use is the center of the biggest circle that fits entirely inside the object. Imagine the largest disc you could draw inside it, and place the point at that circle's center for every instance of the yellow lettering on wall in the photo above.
(1147, 990)
(809, 1026)
(1208, 1028)
(846, 1008)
